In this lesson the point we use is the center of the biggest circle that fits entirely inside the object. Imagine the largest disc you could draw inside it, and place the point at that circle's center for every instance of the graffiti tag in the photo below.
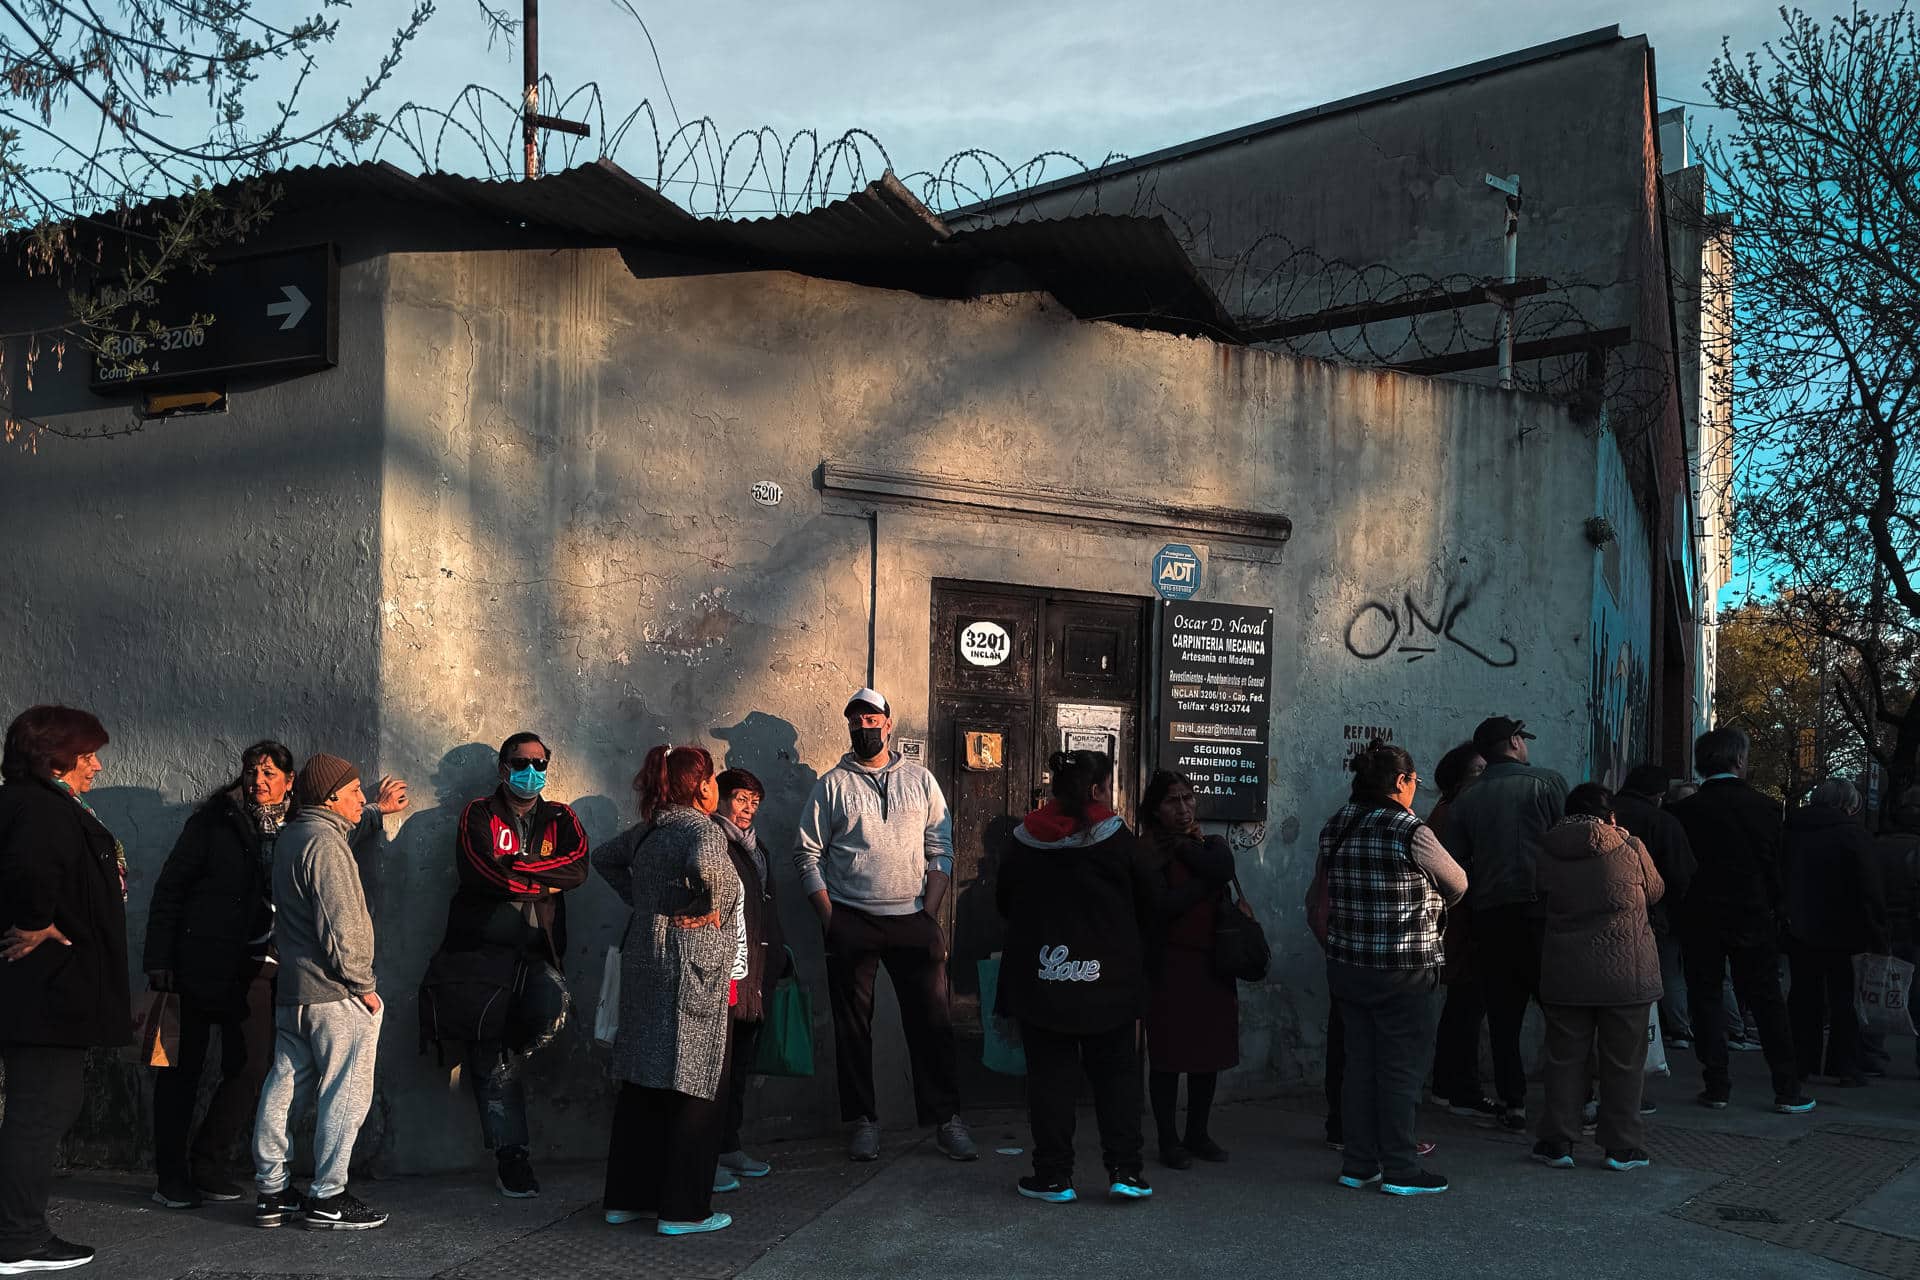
(1378, 628)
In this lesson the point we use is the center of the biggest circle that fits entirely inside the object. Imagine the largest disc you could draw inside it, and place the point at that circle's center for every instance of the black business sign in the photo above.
(273, 313)
(1216, 686)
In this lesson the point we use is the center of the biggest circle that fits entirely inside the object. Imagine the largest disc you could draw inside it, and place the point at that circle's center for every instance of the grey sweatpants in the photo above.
(329, 1047)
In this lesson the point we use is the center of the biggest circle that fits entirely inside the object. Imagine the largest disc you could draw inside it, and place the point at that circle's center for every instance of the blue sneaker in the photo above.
(712, 1222)
(1554, 1155)
(723, 1180)
(1631, 1158)
(1129, 1186)
(1052, 1190)
(1353, 1181)
(1421, 1182)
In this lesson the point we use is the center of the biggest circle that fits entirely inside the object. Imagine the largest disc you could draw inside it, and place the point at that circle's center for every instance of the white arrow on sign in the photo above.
(294, 308)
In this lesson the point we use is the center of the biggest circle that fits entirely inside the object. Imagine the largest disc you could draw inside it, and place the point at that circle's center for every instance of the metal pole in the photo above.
(530, 101)
(1506, 307)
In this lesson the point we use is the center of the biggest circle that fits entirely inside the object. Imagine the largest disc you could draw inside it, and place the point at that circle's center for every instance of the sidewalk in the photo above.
(1742, 1192)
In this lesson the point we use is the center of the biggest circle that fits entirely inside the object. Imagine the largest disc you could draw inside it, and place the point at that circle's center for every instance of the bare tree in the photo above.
(1820, 175)
(109, 105)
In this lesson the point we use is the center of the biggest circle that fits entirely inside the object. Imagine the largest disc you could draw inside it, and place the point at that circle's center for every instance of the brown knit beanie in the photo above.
(320, 777)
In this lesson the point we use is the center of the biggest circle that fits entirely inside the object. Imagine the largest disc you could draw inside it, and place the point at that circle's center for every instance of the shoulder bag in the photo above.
(1240, 949)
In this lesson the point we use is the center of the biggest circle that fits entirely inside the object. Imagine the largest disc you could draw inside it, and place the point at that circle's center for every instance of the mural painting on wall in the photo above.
(1416, 628)
(1621, 623)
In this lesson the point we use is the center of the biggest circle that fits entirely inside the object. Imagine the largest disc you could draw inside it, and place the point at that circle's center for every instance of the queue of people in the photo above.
(1516, 889)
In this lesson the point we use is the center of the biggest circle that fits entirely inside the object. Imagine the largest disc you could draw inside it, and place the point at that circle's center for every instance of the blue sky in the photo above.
(1015, 79)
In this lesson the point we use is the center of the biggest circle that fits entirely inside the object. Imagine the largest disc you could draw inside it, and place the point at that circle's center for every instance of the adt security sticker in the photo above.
(1177, 572)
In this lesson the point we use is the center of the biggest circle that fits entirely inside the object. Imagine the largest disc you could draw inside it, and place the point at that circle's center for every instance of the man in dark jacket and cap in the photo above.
(1639, 806)
(1731, 917)
(1495, 830)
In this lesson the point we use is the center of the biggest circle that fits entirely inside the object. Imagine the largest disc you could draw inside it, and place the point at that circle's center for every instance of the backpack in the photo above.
(465, 995)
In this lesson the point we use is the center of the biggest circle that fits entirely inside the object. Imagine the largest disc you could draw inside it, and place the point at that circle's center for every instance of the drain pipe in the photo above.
(1510, 187)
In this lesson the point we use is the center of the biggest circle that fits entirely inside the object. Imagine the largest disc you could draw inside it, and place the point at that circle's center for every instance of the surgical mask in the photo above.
(526, 782)
(866, 742)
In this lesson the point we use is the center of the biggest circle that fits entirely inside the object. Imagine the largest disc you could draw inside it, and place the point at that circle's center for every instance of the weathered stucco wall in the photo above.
(199, 585)
(571, 546)
(523, 501)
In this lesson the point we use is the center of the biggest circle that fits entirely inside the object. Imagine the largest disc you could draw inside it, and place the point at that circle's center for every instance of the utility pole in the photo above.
(1508, 186)
(531, 121)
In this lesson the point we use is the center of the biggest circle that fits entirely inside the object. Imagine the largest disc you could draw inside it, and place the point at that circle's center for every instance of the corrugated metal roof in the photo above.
(1129, 270)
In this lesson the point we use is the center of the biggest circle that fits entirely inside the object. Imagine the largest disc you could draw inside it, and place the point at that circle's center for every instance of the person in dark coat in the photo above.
(210, 939)
(518, 854)
(1080, 903)
(1456, 1045)
(1599, 973)
(1835, 911)
(1193, 1014)
(1731, 918)
(63, 983)
(767, 961)
(1640, 807)
(1897, 850)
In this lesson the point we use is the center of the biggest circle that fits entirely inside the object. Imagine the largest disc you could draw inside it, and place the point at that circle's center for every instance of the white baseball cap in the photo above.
(868, 699)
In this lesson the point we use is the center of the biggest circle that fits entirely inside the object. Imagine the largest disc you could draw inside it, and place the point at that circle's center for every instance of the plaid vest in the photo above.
(1383, 911)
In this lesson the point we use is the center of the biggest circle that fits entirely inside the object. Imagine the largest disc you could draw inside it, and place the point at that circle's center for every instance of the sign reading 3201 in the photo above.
(274, 313)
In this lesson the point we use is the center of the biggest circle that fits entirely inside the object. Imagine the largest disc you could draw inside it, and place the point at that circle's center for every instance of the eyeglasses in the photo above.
(521, 762)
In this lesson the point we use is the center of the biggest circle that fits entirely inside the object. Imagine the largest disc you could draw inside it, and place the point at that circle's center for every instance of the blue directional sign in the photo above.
(1176, 572)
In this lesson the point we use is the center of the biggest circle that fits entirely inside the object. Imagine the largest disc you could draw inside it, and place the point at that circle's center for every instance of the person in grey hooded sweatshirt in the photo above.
(875, 854)
(327, 1012)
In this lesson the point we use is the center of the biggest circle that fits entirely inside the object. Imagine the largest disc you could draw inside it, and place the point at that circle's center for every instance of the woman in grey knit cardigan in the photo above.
(670, 1055)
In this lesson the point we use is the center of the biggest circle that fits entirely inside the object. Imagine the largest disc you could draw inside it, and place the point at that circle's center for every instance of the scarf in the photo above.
(119, 850)
(750, 845)
(1051, 823)
(267, 819)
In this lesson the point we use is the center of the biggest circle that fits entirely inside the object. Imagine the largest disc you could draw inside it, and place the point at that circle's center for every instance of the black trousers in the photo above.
(1756, 981)
(494, 1069)
(663, 1151)
(1389, 1016)
(1110, 1061)
(746, 1037)
(44, 1089)
(246, 1051)
(1506, 954)
(915, 954)
(1336, 1073)
(1826, 1034)
(1456, 1045)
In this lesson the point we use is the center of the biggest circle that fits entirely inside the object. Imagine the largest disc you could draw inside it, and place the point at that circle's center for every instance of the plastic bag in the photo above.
(1881, 986)
(998, 1051)
(1656, 1047)
(606, 1019)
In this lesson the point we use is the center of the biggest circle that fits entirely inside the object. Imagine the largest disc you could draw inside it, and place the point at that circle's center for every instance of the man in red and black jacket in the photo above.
(517, 855)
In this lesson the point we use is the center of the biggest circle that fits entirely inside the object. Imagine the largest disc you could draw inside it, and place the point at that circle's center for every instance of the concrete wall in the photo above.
(199, 585)
(523, 502)
(571, 547)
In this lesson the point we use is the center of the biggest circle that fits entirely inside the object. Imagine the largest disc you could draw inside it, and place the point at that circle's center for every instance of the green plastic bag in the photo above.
(786, 1035)
(998, 1052)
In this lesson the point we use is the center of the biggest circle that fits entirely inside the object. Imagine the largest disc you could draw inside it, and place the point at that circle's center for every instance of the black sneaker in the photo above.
(272, 1209)
(1554, 1155)
(1631, 1158)
(1513, 1119)
(212, 1186)
(516, 1180)
(1712, 1099)
(172, 1193)
(1176, 1157)
(55, 1255)
(1052, 1190)
(1421, 1182)
(1128, 1186)
(341, 1213)
(1649, 1107)
(1205, 1148)
(1797, 1105)
(1476, 1109)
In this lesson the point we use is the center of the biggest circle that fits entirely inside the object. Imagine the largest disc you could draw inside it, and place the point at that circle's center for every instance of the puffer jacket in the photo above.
(1495, 827)
(1595, 883)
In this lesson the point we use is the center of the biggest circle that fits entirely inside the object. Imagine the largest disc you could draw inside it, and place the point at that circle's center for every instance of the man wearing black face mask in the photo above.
(875, 854)
(517, 853)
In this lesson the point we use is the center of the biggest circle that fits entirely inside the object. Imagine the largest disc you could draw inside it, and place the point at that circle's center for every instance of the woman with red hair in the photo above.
(63, 983)
(676, 978)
